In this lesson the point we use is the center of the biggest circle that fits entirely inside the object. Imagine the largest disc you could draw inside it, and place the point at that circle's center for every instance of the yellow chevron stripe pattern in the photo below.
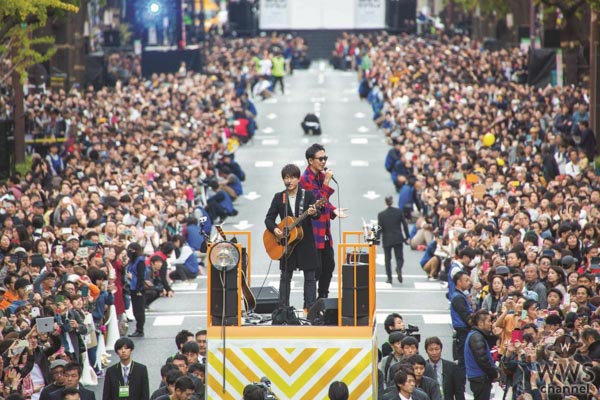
(297, 369)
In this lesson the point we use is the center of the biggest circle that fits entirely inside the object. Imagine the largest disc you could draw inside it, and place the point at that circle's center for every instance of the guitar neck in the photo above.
(299, 219)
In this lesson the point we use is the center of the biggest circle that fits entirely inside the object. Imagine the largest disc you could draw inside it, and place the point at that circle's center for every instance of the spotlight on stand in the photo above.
(224, 259)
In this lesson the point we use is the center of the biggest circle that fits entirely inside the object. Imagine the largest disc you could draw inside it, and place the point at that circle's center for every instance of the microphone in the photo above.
(332, 178)
(283, 199)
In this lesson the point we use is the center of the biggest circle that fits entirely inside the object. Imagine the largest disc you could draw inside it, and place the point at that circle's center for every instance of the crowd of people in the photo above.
(117, 206)
(503, 180)
(502, 176)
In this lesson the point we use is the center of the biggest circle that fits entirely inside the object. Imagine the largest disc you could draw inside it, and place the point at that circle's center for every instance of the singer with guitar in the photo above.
(302, 254)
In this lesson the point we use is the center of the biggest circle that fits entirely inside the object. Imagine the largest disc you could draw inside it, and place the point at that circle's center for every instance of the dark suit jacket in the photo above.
(391, 393)
(139, 388)
(304, 256)
(392, 223)
(84, 394)
(454, 384)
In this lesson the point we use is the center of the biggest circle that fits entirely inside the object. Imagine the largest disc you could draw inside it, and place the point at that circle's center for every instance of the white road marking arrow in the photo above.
(263, 164)
(359, 115)
(360, 140)
(243, 225)
(371, 195)
(252, 196)
(363, 129)
(271, 116)
(268, 129)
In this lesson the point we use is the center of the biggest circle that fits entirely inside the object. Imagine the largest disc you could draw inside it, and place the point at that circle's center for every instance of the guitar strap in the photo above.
(301, 209)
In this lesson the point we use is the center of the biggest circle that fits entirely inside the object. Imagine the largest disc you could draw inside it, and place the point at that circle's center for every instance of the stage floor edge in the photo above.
(300, 361)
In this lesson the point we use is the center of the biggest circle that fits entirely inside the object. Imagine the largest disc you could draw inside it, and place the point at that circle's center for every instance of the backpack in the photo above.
(285, 316)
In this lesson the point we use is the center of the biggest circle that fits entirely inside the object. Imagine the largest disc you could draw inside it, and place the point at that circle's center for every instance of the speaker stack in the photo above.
(355, 287)
(401, 15)
(224, 282)
(241, 16)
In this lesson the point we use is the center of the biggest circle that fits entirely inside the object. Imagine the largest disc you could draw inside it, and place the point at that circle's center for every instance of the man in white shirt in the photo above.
(266, 65)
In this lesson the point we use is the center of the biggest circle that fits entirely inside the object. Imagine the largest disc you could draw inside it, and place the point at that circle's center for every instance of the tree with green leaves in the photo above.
(19, 46)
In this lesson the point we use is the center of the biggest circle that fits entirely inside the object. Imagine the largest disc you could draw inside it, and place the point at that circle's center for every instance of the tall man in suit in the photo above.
(126, 379)
(445, 372)
(72, 375)
(395, 232)
(292, 202)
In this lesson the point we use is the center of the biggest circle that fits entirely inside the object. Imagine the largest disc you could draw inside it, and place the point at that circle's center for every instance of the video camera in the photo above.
(265, 384)
(411, 330)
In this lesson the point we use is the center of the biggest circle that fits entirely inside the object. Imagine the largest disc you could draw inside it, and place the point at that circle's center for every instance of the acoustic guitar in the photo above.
(291, 229)
(247, 295)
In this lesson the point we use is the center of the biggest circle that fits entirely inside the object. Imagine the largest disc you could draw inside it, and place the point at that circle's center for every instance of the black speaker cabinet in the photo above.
(358, 288)
(112, 38)
(267, 299)
(400, 15)
(95, 71)
(552, 38)
(324, 312)
(217, 279)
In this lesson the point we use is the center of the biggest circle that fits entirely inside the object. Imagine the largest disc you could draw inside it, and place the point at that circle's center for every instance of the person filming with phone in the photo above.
(70, 325)
(25, 294)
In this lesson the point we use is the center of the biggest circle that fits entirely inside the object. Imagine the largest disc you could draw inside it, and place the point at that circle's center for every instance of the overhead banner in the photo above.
(274, 14)
(369, 14)
(319, 14)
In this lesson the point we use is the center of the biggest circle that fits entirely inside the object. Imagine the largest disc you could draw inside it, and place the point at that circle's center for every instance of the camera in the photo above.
(411, 330)
(265, 384)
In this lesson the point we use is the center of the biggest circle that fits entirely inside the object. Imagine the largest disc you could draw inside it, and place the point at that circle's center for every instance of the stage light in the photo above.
(154, 7)
(224, 256)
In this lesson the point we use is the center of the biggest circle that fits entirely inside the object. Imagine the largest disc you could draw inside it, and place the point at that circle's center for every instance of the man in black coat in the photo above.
(72, 375)
(445, 372)
(126, 379)
(293, 202)
(393, 225)
(588, 140)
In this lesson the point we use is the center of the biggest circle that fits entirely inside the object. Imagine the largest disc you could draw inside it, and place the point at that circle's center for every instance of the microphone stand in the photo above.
(285, 252)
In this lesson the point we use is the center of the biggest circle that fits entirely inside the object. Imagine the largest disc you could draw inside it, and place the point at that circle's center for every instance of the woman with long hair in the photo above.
(556, 279)
(493, 301)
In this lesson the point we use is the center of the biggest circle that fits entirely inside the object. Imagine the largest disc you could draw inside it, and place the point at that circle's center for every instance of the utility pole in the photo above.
(532, 24)
(594, 75)
(204, 34)
(19, 117)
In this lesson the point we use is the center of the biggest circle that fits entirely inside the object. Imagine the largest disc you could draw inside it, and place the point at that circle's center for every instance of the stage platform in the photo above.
(300, 361)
